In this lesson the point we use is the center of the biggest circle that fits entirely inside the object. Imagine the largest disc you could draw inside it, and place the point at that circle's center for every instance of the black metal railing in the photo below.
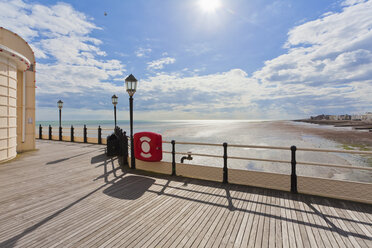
(292, 161)
(225, 176)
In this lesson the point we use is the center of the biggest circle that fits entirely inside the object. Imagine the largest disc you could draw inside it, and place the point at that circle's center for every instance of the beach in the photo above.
(332, 130)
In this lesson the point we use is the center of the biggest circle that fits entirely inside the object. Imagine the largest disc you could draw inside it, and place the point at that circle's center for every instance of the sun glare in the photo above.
(209, 5)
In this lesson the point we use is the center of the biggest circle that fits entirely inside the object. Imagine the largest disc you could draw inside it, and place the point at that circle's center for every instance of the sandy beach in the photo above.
(343, 135)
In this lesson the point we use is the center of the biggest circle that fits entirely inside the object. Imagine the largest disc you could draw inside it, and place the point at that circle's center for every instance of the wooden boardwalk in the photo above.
(72, 195)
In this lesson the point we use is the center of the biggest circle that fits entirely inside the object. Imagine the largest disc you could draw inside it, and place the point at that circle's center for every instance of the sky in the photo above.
(198, 59)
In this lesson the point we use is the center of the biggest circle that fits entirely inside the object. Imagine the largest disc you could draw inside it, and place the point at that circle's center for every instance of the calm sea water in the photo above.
(267, 133)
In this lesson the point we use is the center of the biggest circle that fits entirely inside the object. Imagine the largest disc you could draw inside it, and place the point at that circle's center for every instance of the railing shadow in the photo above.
(307, 201)
(67, 158)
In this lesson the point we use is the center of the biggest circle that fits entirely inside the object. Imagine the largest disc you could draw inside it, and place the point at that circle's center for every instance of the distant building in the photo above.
(367, 116)
(320, 117)
(344, 117)
(17, 95)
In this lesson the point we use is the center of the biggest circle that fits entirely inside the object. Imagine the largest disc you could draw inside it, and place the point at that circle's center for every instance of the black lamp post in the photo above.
(114, 99)
(60, 105)
(131, 85)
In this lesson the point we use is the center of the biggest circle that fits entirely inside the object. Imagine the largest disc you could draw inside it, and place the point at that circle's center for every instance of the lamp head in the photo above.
(114, 99)
(60, 104)
(131, 84)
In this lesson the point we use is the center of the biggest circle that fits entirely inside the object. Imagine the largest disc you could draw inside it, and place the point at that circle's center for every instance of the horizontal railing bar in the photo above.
(260, 159)
(229, 157)
(335, 165)
(194, 143)
(329, 150)
(195, 154)
(260, 147)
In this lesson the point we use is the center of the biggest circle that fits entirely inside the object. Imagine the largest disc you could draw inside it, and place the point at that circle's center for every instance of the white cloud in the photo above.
(62, 35)
(143, 52)
(159, 64)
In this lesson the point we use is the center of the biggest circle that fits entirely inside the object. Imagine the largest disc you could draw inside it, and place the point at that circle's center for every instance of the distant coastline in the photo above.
(357, 125)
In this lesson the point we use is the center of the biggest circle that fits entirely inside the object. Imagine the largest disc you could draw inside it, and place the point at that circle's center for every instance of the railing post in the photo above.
(293, 174)
(60, 133)
(40, 132)
(173, 158)
(85, 134)
(72, 134)
(99, 135)
(50, 132)
(225, 175)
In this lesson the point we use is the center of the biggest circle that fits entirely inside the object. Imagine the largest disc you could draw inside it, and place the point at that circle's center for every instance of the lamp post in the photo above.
(131, 85)
(114, 99)
(60, 105)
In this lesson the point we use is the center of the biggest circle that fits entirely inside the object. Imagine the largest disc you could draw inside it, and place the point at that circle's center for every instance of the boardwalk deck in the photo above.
(72, 195)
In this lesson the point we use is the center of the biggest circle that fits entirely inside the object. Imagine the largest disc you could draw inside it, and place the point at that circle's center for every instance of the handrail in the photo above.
(260, 159)
(330, 150)
(260, 147)
(199, 144)
(196, 154)
(272, 147)
(336, 165)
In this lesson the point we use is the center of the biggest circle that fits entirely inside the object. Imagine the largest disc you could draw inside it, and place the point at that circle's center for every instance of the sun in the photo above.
(209, 5)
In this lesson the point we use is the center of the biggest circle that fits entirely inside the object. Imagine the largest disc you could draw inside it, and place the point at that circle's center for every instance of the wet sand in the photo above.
(343, 135)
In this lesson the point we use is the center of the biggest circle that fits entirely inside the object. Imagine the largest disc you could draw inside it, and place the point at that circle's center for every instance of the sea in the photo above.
(242, 132)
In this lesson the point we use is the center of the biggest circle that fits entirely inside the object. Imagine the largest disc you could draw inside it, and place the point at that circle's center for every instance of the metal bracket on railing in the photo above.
(188, 157)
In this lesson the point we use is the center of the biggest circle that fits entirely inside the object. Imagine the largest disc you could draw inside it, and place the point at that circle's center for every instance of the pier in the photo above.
(71, 195)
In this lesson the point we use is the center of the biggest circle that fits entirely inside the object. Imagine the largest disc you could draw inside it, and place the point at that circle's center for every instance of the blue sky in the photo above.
(198, 59)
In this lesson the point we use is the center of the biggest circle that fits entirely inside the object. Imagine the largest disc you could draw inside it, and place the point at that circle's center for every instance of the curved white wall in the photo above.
(8, 108)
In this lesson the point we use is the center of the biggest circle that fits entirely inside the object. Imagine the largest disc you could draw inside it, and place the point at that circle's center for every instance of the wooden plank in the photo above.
(278, 222)
(254, 225)
(260, 221)
(245, 201)
(294, 232)
(202, 239)
(175, 233)
(248, 229)
(202, 225)
(306, 232)
(285, 228)
(223, 234)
